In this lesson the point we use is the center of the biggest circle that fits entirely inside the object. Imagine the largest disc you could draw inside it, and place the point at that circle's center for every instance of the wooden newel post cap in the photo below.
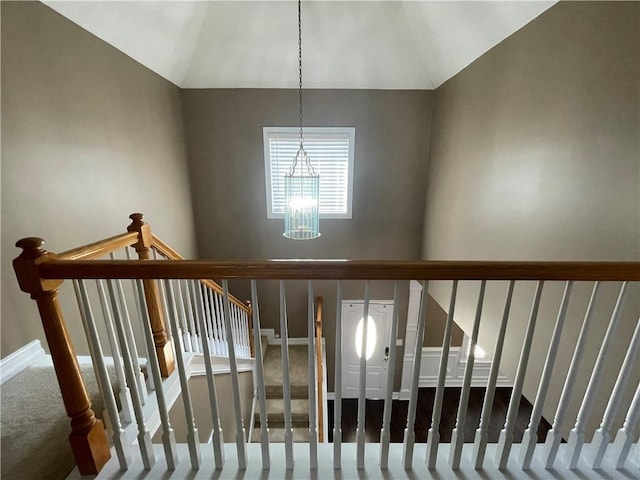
(31, 247)
(144, 229)
(137, 219)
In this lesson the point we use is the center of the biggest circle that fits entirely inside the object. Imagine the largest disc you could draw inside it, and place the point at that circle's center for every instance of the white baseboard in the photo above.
(20, 360)
(270, 333)
(291, 341)
(394, 396)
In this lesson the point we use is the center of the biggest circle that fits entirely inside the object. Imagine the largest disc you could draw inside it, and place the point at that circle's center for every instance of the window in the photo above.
(331, 152)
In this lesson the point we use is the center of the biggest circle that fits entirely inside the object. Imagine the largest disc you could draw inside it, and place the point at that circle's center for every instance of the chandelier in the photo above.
(302, 183)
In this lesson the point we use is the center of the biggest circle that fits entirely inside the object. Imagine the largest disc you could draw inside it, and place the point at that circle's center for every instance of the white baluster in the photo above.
(244, 320)
(168, 436)
(337, 402)
(123, 305)
(215, 316)
(626, 435)
(240, 433)
(119, 437)
(433, 436)
(189, 307)
(530, 435)
(482, 436)
(210, 320)
(218, 441)
(554, 436)
(219, 318)
(193, 439)
(602, 436)
(182, 317)
(121, 316)
(124, 393)
(207, 333)
(577, 435)
(409, 433)
(286, 387)
(362, 391)
(182, 314)
(262, 398)
(506, 435)
(132, 372)
(238, 337)
(311, 364)
(242, 337)
(385, 434)
(231, 330)
(225, 334)
(240, 331)
(198, 312)
(457, 435)
(83, 305)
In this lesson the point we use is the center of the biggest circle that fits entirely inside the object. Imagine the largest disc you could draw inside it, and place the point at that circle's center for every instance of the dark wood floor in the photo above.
(375, 408)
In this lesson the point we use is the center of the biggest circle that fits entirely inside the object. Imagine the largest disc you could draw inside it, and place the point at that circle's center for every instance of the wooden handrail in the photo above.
(319, 369)
(100, 248)
(341, 269)
(165, 249)
(171, 254)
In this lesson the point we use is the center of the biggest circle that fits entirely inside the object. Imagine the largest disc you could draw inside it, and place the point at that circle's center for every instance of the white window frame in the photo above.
(350, 131)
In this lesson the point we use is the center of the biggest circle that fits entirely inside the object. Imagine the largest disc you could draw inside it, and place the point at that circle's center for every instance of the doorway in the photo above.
(377, 348)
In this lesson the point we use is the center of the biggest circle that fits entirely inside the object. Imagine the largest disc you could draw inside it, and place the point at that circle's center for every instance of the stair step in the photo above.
(276, 420)
(276, 435)
(275, 413)
(297, 391)
(298, 371)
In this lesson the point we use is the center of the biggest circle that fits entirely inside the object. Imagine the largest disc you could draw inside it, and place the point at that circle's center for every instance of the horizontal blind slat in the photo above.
(329, 155)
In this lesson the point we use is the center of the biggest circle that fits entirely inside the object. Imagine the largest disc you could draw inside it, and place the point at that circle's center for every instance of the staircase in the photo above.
(182, 313)
(299, 377)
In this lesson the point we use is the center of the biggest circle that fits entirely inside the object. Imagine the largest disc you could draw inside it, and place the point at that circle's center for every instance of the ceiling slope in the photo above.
(346, 44)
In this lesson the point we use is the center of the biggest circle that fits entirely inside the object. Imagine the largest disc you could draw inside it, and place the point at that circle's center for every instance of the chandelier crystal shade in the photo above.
(302, 183)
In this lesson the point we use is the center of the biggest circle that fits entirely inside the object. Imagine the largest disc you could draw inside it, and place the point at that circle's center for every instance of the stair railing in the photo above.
(212, 307)
(198, 298)
(39, 273)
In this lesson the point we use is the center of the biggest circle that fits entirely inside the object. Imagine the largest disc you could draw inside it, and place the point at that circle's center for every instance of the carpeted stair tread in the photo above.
(297, 391)
(35, 426)
(298, 372)
(275, 413)
(276, 435)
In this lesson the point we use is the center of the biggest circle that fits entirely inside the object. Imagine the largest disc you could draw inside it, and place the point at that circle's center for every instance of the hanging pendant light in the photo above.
(302, 183)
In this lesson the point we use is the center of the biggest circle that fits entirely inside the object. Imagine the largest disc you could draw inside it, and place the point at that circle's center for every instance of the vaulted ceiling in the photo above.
(346, 44)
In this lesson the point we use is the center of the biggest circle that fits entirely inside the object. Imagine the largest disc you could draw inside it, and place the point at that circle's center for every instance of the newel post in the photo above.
(88, 437)
(164, 351)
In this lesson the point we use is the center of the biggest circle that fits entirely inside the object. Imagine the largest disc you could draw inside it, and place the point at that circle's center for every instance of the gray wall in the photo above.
(88, 136)
(535, 156)
(226, 164)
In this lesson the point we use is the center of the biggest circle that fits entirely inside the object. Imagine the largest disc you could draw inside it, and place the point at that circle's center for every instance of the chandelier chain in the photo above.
(300, 66)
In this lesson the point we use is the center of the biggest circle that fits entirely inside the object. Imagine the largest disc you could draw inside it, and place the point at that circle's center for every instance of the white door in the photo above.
(378, 337)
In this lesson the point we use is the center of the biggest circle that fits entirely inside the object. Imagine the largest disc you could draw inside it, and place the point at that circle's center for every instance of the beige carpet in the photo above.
(35, 426)
(299, 381)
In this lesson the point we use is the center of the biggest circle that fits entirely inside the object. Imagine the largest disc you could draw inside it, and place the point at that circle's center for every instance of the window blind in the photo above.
(331, 157)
